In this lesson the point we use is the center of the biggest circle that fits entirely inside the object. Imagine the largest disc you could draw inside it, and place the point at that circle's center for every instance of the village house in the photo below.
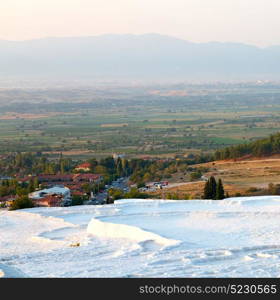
(49, 201)
(55, 178)
(55, 196)
(45, 178)
(85, 167)
(89, 177)
(78, 193)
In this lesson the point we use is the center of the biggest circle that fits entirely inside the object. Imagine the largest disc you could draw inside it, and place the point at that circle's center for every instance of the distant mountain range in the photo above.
(136, 56)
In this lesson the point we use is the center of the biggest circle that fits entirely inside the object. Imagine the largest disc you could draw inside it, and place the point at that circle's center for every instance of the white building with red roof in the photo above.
(83, 167)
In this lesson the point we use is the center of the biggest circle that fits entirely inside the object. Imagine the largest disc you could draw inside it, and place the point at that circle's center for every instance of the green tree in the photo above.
(22, 191)
(116, 194)
(78, 200)
(195, 175)
(220, 193)
(210, 188)
(30, 186)
(213, 187)
(36, 182)
(22, 202)
(125, 166)
(93, 163)
(135, 194)
(207, 193)
(119, 168)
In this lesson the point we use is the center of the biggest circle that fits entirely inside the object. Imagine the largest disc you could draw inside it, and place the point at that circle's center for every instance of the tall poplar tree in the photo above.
(212, 187)
(220, 190)
(207, 194)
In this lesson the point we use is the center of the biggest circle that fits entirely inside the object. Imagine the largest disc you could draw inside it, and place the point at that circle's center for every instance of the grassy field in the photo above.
(147, 120)
(238, 176)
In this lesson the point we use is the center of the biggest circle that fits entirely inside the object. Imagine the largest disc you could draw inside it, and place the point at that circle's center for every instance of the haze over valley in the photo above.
(144, 57)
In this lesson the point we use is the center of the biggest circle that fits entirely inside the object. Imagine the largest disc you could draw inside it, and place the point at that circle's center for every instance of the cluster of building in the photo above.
(152, 186)
(61, 187)
(58, 188)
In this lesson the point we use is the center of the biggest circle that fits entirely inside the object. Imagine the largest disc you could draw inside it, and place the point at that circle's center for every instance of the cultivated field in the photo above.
(136, 120)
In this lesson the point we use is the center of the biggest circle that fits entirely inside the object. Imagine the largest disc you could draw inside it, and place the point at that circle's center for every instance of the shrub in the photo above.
(252, 190)
(78, 200)
(195, 175)
(135, 194)
(116, 194)
(22, 202)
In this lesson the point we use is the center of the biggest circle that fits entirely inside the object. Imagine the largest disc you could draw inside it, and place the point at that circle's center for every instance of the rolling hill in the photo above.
(136, 56)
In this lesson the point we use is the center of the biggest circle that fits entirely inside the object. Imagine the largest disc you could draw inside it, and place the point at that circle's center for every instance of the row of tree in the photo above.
(14, 187)
(34, 163)
(262, 147)
(116, 194)
(139, 170)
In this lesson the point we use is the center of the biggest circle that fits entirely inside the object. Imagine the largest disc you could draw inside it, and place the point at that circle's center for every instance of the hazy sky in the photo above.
(248, 21)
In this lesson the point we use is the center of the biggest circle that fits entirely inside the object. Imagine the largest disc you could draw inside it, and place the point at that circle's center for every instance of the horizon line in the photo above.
(136, 34)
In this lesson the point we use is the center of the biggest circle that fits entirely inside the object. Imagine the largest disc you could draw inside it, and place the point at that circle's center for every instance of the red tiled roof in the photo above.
(63, 178)
(26, 178)
(7, 198)
(74, 186)
(49, 200)
(88, 176)
(60, 177)
(78, 193)
(85, 165)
